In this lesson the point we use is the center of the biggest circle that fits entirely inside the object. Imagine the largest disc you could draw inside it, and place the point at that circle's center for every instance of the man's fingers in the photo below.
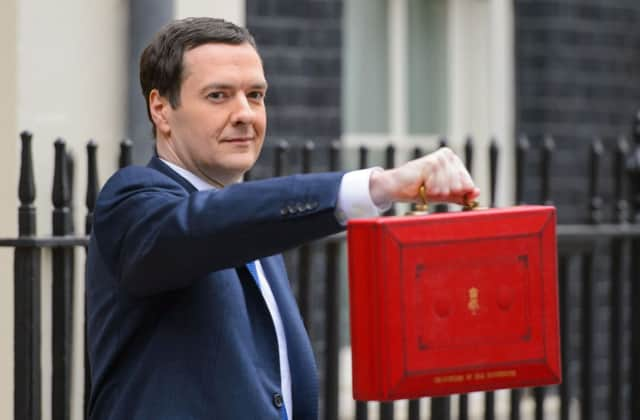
(467, 182)
(442, 174)
(446, 178)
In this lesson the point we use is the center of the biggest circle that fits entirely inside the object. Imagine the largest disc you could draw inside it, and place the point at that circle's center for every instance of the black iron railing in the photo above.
(582, 248)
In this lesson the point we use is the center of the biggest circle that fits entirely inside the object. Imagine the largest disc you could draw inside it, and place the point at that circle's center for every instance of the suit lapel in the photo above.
(158, 165)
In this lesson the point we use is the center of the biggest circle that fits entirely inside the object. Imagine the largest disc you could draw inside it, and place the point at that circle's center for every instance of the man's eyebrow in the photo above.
(260, 85)
(226, 86)
(213, 86)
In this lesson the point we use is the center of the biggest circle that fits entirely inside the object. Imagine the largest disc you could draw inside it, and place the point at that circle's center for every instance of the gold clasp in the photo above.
(421, 208)
(471, 205)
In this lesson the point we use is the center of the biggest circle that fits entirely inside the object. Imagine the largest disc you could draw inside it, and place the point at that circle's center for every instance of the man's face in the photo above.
(218, 129)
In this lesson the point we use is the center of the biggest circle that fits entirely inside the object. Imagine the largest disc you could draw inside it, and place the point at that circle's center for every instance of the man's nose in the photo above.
(242, 113)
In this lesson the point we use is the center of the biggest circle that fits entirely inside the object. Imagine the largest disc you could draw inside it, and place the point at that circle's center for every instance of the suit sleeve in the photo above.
(157, 237)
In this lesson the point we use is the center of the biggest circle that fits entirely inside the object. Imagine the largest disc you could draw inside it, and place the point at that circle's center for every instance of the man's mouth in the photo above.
(238, 140)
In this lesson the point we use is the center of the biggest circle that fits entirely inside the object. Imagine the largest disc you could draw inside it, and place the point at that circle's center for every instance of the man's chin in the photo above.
(237, 171)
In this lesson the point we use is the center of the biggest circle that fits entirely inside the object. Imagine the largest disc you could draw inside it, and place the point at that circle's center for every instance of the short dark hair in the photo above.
(161, 62)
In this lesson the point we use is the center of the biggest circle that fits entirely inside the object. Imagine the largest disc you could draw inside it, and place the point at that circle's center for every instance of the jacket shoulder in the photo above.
(136, 177)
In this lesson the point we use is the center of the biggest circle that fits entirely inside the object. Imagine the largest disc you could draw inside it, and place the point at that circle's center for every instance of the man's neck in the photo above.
(168, 155)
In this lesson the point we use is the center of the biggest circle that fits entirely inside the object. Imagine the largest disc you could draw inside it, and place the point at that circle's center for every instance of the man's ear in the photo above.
(159, 108)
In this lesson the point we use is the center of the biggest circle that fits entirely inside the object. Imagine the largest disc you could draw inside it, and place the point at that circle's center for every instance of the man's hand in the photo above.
(442, 173)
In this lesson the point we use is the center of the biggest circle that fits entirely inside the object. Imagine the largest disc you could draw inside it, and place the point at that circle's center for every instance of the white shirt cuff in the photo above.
(354, 197)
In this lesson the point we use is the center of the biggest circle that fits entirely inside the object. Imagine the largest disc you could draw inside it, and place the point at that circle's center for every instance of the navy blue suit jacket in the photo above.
(177, 328)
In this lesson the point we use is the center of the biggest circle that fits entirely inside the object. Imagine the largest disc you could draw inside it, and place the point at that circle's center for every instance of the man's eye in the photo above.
(216, 95)
(256, 95)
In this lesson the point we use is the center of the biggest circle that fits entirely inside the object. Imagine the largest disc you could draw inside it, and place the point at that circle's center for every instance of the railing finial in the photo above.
(126, 149)
(26, 189)
(547, 156)
(61, 195)
(522, 150)
(363, 157)
(442, 207)
(633, 170)
(281, 158)
(468, 153)
(307, 156)
(92, 184)
(595, 201)
(621, 205)
(389, 163)
(493, 171)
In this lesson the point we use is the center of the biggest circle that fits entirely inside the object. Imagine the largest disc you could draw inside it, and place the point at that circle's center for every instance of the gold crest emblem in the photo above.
(474, 303)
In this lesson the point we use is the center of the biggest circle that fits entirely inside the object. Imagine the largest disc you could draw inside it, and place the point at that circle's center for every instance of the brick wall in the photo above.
(300, 43)
(578, 76)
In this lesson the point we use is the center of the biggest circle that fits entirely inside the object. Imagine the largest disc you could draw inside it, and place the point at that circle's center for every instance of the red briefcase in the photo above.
(453, 302)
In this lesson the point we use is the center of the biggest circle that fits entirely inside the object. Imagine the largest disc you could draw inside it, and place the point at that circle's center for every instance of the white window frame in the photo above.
(485, 112)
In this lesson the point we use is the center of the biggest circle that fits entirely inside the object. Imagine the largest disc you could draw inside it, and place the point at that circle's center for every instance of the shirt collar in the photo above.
(199, 183)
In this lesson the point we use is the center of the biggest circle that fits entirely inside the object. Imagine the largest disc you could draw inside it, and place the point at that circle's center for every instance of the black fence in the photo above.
(598, 254)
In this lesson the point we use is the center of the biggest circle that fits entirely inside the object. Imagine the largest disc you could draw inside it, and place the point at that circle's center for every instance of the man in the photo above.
(190, 314)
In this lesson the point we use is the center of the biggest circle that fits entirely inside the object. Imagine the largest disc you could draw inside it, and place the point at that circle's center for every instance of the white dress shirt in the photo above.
(354, 201)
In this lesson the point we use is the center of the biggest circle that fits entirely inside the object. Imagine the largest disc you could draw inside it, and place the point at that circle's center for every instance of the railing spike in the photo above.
(307, 156)
(621, 206)
(547, 153)
(390, 162)
(280, 166)
(468, 153)
(633, 170)
(26, 188)
(363, 157)
(92, 184)
(390, 156)
(126, 150)
(493, 171)
(70, 162)
(334, 155)
(595, 201)
(60, 194)
(417, 152)
(522, 150)
(442, 207)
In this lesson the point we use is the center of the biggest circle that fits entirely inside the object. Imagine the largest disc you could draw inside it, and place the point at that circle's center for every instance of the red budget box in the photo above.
(453, 302)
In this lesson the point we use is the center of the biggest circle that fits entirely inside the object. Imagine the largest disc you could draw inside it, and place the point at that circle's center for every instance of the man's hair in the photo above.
(161, 62)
